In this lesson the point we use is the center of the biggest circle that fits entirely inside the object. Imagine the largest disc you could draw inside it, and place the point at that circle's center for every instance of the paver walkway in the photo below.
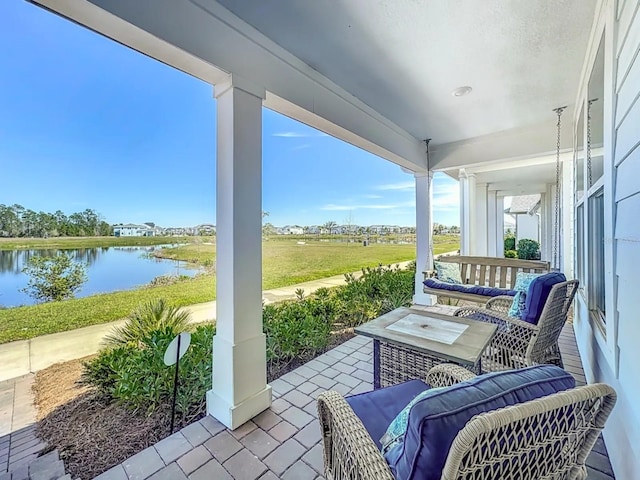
(29, 356)
(18, 442)
(284, 441)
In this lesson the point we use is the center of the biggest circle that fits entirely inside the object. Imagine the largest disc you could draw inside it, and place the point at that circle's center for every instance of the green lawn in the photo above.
(285, 262)
(89, 242)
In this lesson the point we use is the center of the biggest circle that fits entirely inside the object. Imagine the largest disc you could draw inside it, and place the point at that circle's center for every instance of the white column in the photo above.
(567, 220)
(424, 235)
(240, 389)
(492, 220)
(467, 214)
(479, 245)
(500, 226)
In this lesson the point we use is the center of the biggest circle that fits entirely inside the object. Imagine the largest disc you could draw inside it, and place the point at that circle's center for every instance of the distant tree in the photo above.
(54, 278)
(437, 228)
(268, 229)
(330, 226)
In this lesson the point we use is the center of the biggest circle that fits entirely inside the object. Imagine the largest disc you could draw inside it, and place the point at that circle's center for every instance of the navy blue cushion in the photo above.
(537, 295)
(474, 289)
(378, 408)
(435, 421)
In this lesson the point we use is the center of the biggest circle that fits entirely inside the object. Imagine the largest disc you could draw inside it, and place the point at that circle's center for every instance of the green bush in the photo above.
(150, 317)
(510, 254)
(54, 278)
(297, 329)
(131, 369)
(136, 376)
(509, 242)
(378, 291)
(528, 249)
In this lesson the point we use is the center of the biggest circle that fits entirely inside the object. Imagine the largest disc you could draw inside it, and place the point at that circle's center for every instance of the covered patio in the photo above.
(394, 79)
(284, 441)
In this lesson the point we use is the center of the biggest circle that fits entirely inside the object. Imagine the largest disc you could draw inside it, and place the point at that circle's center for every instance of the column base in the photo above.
(233, 416)
(419, 297)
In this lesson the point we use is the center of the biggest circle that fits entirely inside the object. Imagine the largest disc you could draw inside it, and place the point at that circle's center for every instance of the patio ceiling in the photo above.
(404, 59)
(378, 73)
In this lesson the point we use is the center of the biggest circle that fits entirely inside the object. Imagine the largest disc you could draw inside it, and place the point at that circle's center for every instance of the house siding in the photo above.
(619, 368)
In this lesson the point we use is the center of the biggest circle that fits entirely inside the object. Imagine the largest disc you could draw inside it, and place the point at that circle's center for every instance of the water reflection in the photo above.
(108, 269)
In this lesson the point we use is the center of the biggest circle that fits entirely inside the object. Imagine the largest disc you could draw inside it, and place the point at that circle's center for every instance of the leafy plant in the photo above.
(54, 278)
(137, 377)
(509, 242)
(149, 317)
(510, 254)
(528, 249)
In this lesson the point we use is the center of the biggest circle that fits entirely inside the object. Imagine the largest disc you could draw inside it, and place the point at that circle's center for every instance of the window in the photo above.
(580, 245)
(589, 196)
(596, 256)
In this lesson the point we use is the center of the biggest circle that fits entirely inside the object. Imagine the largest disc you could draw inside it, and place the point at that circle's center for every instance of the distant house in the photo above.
(524, 210)
(292, 230)
(132, 230)
(205, 229)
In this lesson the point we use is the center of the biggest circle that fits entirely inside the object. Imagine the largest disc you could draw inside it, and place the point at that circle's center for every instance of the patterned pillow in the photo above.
(448, 272)
(523, 280)
(394, 436)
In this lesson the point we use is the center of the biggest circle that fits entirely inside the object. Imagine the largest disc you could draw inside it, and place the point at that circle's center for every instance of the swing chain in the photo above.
(556, 226)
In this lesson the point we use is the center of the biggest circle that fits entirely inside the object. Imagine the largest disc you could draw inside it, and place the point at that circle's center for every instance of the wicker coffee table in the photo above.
(408, 342)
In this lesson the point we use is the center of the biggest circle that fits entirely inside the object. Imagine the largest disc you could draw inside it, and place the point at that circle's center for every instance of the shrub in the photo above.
(150, 317)
(54, 278)
(378, 291)
(137, 377)
(528, 249)
(509, 242)
(298, 329)
(510, 254)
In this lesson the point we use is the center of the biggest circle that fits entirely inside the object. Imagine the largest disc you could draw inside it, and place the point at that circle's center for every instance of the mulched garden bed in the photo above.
(94, 434)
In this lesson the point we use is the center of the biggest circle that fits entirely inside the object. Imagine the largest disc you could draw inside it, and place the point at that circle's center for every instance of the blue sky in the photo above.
(88, 123)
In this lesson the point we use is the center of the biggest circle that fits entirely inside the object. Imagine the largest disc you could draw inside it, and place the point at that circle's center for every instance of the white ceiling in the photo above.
(403, 58)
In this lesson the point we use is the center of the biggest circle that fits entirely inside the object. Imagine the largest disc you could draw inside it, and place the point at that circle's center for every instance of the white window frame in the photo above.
(604, 333)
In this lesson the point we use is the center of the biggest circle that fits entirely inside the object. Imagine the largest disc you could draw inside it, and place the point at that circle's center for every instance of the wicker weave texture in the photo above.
(543, 439)
(519, 344)
(349, 452)
(398, 364)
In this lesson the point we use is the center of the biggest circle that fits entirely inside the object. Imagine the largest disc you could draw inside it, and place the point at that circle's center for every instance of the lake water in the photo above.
(108, 269)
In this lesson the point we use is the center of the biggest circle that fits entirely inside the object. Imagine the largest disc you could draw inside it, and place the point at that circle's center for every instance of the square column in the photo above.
(492, 224)
(240, 389)
(480, 243)
(500, 226)
(467, 211)
(424, 235)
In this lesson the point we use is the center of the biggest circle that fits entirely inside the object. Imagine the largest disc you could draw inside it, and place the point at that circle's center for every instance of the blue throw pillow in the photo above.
(523, 280)
(394, 436)
(448, 272)
(434, 422)
(537, 295)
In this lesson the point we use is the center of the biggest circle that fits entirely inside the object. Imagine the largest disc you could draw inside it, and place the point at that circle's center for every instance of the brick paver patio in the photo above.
(18, 442)
(284, 441)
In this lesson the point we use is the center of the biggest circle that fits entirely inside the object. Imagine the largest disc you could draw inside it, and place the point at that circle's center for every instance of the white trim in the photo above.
(211, 56)
(604, 27)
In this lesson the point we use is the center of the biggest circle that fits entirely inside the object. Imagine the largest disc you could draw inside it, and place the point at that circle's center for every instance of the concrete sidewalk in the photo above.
(29, 356)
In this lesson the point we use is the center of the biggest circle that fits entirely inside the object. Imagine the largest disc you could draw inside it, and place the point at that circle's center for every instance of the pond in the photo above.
(108, 269)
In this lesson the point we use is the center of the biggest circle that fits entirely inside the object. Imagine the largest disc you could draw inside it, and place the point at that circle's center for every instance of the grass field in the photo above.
(285, 262)
(89, 242)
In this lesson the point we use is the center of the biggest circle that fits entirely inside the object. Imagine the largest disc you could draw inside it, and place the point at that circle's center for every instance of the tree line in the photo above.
(18, 221)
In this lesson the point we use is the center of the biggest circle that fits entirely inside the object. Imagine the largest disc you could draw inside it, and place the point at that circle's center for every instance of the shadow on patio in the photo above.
(284, 441)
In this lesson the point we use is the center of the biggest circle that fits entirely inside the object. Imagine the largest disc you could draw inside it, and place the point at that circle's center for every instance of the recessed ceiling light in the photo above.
(461, 91)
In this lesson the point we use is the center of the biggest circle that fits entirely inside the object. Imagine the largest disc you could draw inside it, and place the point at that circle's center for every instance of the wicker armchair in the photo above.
(551, 436)
(520, 344)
